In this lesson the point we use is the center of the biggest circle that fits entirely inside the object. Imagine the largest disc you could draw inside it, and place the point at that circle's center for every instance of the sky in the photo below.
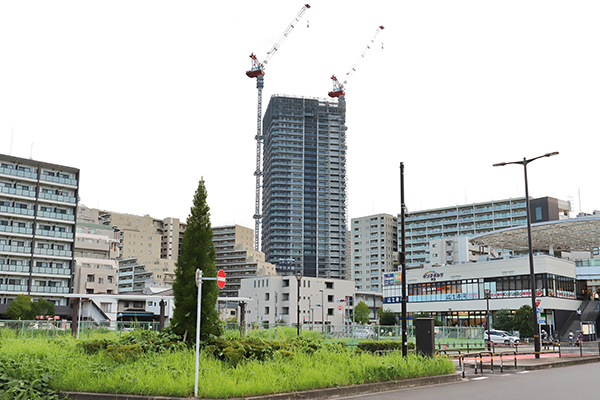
(147, 97)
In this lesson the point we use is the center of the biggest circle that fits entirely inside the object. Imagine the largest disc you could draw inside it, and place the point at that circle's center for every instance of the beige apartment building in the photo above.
(148, 248)
(96, 251)
(235, 254)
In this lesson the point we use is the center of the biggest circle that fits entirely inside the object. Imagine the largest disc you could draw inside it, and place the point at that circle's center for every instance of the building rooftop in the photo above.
(575, 234)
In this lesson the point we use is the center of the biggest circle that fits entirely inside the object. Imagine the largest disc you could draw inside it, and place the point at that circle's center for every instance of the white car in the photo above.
(501, 337)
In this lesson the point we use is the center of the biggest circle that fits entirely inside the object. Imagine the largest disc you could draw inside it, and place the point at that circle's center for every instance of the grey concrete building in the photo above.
(304, 185)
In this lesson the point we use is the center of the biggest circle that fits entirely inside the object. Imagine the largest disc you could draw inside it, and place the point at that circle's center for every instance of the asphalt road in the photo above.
(566, 383)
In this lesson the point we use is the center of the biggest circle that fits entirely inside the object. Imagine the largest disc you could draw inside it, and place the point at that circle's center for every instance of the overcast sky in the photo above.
(147, 97)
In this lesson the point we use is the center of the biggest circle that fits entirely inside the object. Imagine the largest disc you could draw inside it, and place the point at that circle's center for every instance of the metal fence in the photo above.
(44, 329)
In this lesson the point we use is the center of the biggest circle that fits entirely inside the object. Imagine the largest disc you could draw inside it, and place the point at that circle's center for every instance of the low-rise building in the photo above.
(275, 299)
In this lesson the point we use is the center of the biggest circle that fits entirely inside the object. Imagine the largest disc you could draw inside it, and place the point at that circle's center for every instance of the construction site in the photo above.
(301, 202)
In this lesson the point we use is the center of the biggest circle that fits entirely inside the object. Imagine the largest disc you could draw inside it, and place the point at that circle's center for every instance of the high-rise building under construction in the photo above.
(304, 185)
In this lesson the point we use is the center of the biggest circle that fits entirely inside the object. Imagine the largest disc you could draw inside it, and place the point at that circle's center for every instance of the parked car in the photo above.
(364, 333)
(502, 337)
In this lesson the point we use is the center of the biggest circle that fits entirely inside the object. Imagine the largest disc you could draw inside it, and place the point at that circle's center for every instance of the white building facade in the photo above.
(456, 294)
(374, 249)
(275, 299)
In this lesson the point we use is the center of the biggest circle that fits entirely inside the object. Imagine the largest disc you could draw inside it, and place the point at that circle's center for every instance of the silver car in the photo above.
(500, 337)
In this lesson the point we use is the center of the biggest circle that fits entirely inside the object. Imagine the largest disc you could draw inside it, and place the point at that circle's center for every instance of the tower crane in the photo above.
(258, 71)
(338, 87)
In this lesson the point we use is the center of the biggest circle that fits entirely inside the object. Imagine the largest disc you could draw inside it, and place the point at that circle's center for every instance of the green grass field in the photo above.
(61, 364)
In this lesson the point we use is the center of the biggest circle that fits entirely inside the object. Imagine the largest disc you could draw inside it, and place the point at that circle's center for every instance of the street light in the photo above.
(536, 336)
(298, 278)
(488, 292)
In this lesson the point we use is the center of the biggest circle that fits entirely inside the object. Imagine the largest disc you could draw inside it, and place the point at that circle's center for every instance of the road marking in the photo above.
(479, 378)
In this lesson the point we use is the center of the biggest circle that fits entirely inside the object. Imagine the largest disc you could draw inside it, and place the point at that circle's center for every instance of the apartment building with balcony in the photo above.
(304, 215)
(374, 250)
(235, 255)
(153, 243)
(428, 231)
(38, 204)
(96, 252)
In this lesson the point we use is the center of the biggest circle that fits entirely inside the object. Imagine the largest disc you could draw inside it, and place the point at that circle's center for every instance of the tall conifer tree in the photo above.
(197, 251)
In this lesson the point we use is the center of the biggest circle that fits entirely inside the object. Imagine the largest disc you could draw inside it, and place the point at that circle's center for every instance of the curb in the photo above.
(314, 394)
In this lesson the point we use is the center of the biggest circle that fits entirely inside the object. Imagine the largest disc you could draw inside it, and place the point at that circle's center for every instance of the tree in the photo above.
(24, 308)
(503, 320)
(522, 321)
(386, 317)
(197, 251)
(361, 313)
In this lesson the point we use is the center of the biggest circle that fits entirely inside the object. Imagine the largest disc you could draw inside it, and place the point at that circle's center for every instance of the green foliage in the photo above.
(373, 346)
(123, 352)
(146, 341)
(25, 378)
(522, 321)
(301, 365)
(236, 351)
(25, 309)
(436, 321)
(196, 251)
(361, 313)
(503, 320)
(386, 317)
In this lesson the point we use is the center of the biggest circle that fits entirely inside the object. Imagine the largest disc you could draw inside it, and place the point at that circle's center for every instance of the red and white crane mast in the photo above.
(258, 71)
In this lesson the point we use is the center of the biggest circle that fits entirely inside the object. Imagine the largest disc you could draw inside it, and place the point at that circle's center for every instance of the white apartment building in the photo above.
(38, 203)
(425, 227)
(275, 298)
(374, 249)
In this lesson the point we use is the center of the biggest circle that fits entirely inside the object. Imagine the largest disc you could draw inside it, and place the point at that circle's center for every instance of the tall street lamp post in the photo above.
(298, 278)
(488, 293)
(536, 336)
(402, 261)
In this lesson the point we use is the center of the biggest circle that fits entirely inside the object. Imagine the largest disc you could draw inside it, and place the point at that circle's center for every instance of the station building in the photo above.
(455, 294)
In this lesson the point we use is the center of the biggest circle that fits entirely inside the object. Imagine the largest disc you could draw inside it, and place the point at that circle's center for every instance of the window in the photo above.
(267, 296)
(101, 280)
(106, 307)
(91, 278)
(538, 213)
(109, 279)
(138, 304)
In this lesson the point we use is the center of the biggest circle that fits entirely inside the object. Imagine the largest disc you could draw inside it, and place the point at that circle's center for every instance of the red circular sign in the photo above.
(221, 279)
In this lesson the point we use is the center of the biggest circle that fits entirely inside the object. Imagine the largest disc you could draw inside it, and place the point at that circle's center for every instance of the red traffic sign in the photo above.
(221, 279)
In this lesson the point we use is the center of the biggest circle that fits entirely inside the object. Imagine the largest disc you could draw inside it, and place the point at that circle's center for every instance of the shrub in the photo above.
(373, 346)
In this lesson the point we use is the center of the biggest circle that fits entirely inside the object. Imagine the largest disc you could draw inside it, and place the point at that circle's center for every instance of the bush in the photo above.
(373, 346)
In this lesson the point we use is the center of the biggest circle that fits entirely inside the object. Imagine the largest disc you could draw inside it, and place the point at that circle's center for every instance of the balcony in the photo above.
(14, 268)
(15, 249)
(16, 229)
(59, 180)
(18, 211)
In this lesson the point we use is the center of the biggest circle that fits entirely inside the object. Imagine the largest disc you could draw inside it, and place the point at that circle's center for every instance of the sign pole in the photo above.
(199, 284)
(220, 278)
